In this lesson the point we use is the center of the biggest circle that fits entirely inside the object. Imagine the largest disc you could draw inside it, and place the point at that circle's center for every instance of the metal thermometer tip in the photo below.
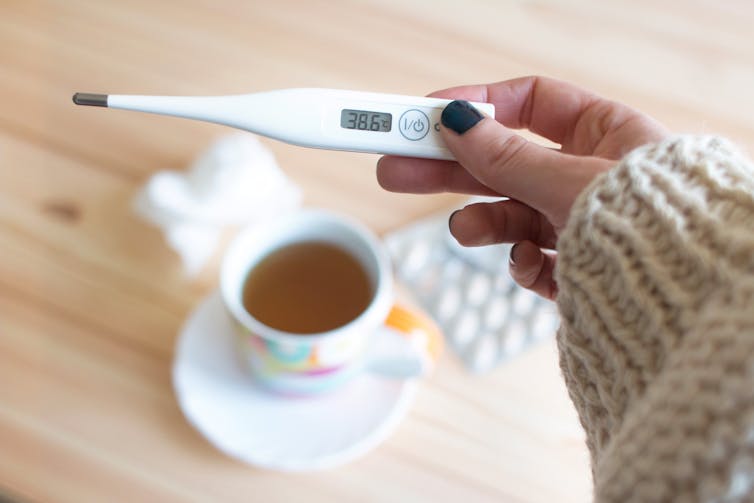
(90, 99)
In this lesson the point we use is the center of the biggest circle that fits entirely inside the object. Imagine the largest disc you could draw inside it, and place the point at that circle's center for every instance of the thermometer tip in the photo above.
(93, 100)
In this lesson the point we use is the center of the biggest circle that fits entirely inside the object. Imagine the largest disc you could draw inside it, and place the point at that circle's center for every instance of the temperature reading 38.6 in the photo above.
(365, 120)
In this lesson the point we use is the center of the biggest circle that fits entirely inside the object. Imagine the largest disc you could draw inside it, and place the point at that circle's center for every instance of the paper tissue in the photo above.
(235, 182)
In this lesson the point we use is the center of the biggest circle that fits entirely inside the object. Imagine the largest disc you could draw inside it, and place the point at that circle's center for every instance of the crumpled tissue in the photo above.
(235, 182)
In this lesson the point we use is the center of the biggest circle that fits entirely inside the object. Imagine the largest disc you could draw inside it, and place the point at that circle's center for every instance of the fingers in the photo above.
(547, 107)
(565, 114)
(544, 179)
(427, 176)
(508, 222)
(532, 268)
(505, 221)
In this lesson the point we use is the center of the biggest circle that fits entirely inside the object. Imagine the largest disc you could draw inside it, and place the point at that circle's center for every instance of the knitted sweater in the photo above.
(656, 292)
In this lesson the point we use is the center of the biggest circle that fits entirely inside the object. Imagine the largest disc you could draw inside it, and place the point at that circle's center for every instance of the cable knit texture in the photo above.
(656, 292)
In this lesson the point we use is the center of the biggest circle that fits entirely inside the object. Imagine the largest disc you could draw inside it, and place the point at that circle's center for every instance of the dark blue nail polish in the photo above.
(460, 116)
(450, 219)
(512, 257)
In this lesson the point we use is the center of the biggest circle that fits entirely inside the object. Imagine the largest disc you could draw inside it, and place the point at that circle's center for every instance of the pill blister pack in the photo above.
(485, 316)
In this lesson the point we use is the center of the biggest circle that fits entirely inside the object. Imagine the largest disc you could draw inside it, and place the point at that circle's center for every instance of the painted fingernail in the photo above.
(450, 220)
(512, 257)
(460, 116)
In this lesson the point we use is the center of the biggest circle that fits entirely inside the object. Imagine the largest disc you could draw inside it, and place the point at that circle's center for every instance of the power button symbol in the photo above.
(413, 124)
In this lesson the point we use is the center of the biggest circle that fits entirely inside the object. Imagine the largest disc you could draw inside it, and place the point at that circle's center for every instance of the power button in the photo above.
(413, 124)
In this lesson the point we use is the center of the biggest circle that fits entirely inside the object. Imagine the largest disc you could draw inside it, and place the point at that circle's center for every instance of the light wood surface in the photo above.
(91, 299)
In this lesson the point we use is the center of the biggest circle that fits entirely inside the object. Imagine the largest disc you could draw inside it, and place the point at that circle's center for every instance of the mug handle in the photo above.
(425, 345)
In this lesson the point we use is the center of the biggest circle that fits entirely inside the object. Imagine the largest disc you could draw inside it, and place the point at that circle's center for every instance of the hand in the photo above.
(541, 183)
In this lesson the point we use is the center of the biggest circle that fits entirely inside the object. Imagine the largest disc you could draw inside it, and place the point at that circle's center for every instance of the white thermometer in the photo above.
(320, 118)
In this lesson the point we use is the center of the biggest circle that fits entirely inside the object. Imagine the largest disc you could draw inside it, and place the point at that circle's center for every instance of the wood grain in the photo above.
(91, 299)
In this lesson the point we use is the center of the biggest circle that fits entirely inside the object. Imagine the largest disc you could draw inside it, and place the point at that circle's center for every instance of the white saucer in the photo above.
(221, 400)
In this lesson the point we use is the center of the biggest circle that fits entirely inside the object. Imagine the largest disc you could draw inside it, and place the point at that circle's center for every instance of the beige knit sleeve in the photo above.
(656, 292)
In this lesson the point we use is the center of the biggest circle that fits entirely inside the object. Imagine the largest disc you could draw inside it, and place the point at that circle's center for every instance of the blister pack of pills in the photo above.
(485, 316)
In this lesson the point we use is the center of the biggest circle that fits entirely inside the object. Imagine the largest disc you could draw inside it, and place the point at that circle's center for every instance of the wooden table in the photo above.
(91, 299)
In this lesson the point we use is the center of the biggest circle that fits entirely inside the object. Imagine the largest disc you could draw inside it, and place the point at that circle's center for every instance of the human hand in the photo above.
(541, 183)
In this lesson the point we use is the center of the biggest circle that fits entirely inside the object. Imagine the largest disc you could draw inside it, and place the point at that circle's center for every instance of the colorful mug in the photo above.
(295, 364)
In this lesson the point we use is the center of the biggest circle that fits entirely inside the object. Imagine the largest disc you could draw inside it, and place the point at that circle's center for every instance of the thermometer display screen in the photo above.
(365, 120)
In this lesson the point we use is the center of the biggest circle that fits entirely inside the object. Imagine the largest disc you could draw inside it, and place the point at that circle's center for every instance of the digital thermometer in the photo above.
(320, 118)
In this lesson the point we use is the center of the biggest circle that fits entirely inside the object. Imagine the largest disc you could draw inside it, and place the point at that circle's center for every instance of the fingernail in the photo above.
(512, 257)
(450, 219)
(460, 116)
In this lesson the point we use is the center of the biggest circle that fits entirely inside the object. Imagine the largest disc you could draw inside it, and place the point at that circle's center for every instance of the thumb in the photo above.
(542, 178)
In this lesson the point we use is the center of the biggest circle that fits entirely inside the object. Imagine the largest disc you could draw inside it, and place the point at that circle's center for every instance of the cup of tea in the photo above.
(309, 294)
